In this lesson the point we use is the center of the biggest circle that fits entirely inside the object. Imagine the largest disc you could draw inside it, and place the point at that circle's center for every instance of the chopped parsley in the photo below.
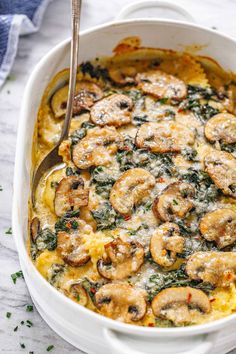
(1, 189)
(22, 345)
(9, 231)
(15, 329)
(29, 308)
(29, 323)
(50, 347)
(8, 315)
(17, 275)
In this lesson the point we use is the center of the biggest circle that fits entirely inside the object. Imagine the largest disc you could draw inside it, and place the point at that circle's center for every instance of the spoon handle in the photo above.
(75, 17)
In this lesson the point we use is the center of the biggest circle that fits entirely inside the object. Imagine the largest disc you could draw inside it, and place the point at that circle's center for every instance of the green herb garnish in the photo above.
(8, 314)
(9, 231)
(29, 323)
(50, 347)
(17, 275)
(29, 308)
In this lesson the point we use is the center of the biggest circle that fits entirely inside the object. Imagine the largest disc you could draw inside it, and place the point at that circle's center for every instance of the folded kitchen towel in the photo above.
(17, 17)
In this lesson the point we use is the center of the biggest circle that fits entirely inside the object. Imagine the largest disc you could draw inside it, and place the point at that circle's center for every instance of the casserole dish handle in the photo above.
(119, 346)
(154, 8)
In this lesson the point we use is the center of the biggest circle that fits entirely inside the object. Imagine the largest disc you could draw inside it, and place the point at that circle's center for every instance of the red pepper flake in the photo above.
(161, 180)
(93, 290)
(212, 300)
(127, 148)
(127, 217)
(68, 225)
(229, 276)
(151, 325)
(189, 297)
(180, 110)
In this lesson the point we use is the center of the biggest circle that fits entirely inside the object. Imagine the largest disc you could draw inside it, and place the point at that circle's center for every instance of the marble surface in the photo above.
(55, 27)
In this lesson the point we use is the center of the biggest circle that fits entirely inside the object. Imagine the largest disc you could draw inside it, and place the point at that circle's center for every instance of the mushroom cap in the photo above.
(122, 74)
(86, 93)
(164, 137)
(96, 147)
(221, 167)
(221, 127)
(71, 248)
(70, 194)
(120, 259)
(166, 304)
(217, 268)
(112, 110)
(79, 293)
(219, 226)
(165, 243)
(34, 228)
(175, 201)
(121, 301)
(130, 189)
(161, 85)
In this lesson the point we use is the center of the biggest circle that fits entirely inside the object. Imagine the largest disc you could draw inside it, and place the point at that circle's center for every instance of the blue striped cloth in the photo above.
(17, 17)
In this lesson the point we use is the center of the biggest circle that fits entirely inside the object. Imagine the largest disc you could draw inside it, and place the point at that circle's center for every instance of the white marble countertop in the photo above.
(55, 27)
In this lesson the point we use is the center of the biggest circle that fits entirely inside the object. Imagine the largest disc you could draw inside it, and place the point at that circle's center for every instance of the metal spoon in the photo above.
(53, 158)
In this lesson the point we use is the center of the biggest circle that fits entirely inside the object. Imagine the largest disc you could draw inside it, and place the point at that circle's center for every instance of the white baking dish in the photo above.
(81, 327)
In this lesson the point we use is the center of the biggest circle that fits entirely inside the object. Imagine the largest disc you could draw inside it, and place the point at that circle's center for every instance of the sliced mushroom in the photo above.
(165, 243)
(176, 304)
(112, 110)
(175, 201)
(71, 248)
(34, 228)
(122, 75)
(221, 127)
(164, 137)
(130, 189)
(217, 268)
(221, 167)
(121, 302)
(96, 147)
(70, 195)
(219, 226)
(79, 293)
(120, 259)
(161, 85)
(86, 93)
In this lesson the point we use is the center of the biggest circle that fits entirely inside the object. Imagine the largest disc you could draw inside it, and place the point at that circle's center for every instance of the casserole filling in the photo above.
(139, 223)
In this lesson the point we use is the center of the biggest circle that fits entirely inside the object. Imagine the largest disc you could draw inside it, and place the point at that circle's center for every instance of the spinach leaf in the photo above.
(80, 133)
(202, 111)
(55, 272)
(91, 287)
(174, 278)
(67, 222)
(106, 217)
(228, 147)
(140, 119)
(46, 239)
(190, 154)
(96, 72)
(103, 181)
